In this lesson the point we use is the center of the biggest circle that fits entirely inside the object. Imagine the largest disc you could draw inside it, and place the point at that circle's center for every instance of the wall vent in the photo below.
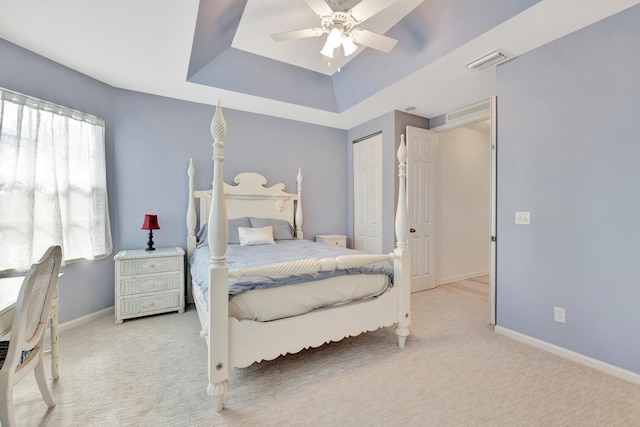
(470, 113)
(494, 57)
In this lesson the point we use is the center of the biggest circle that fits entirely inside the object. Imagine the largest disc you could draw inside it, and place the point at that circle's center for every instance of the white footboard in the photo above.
(256, 341)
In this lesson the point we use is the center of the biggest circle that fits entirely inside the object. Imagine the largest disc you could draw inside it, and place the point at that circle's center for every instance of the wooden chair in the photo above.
(24, 351)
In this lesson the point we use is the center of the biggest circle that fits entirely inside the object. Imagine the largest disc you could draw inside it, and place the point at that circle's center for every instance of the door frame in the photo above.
(477, 112)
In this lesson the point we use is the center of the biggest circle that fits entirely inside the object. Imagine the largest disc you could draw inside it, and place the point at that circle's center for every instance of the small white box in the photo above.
(523, 218)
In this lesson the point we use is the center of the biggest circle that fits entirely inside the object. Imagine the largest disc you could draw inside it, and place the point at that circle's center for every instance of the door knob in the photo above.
(412, 230)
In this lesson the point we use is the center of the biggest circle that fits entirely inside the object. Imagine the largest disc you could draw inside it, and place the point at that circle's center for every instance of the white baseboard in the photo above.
(79, 321)
(461, 277)
(571, 355)
(85, 319)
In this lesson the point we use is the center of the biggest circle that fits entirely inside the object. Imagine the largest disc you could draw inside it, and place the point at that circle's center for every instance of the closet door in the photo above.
(367, 192)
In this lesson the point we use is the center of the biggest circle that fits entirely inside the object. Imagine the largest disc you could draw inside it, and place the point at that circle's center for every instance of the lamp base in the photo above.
(150, 242)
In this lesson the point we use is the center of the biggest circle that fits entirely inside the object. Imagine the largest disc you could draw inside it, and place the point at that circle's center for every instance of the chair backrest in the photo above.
(34, 304)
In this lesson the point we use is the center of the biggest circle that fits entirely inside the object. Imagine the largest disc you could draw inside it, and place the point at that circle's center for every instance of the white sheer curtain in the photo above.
(53, 187)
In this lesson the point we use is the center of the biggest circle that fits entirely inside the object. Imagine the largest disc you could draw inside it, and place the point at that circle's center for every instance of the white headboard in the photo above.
(249, 197)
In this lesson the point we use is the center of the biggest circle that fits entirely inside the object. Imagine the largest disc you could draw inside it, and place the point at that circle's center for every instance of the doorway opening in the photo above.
(466, 200)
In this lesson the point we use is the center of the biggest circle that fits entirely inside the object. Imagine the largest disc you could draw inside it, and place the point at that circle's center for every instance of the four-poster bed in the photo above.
(236, 340)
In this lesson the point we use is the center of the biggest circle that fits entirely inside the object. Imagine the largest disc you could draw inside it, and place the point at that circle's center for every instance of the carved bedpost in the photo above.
(402, 266)
(218, 234)
(192, 222)
(299, 216)
(191, 212)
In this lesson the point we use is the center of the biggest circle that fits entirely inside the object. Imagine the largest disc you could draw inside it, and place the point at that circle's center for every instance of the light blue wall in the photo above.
(569, 152)
(149, 140)
(156, 136)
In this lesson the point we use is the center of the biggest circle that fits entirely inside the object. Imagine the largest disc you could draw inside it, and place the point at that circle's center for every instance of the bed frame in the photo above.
(239, 343)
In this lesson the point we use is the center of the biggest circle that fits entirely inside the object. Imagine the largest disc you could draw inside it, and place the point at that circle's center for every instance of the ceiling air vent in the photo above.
(471, 113)
(496, 56)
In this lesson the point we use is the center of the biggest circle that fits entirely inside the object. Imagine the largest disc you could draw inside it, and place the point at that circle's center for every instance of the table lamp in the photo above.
(150, 223)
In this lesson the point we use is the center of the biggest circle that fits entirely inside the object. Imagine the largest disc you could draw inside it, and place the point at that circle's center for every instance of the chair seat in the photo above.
(4, 348)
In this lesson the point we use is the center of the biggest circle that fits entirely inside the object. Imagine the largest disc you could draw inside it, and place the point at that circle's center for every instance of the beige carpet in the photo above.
(474, 287)
(454, 372)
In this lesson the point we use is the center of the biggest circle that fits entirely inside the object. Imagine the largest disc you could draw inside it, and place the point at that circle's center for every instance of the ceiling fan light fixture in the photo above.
(335, 37)
(341, 27)
(349, 46)
(327, 50)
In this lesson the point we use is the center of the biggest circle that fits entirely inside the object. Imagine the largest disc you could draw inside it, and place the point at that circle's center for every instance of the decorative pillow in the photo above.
(234, 224)
(202, 235)
(282, 230)
(256, 236)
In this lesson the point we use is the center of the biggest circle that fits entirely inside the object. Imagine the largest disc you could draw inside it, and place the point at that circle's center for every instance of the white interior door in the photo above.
(367, 194)
(421, 188)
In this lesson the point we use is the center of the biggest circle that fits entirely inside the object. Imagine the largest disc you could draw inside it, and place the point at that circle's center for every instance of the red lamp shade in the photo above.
(150, 222)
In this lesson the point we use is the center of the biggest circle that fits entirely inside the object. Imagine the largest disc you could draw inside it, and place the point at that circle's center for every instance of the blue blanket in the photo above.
(242, 257)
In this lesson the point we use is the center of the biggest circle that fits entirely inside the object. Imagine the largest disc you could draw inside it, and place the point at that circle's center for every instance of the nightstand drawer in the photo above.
(335, 242)
(149, 304)
(332, 240)
(147, 284)
(152, 265)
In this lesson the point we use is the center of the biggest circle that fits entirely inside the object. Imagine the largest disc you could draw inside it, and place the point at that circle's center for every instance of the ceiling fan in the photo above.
(342, 28)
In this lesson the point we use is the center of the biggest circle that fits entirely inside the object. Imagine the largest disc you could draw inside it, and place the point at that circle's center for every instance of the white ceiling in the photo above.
(262, 18)
(145, 45)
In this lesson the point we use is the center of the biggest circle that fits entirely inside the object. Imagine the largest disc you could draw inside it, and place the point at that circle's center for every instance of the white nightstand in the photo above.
(149, 282)
(332, 239)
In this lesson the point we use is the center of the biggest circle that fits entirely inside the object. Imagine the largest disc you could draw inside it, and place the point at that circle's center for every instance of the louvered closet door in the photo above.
(367, 192)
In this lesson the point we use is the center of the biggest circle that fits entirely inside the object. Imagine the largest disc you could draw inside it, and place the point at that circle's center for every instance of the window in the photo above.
(53, 186)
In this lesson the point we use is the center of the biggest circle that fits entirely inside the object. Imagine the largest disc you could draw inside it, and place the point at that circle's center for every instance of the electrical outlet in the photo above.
(559, 315)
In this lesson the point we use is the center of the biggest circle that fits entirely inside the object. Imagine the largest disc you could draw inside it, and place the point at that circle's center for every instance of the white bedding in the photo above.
(275, 297)
(292, 300)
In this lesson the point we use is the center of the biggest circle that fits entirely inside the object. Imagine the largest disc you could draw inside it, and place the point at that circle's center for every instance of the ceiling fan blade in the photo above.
(320, 7)
(297, 34)
(373, 40)
(367, 8)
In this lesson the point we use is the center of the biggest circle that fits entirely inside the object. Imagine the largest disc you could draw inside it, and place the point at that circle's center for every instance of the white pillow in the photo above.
(256, 236)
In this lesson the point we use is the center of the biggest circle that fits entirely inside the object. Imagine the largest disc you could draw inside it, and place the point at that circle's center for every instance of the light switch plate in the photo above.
(523, 218)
